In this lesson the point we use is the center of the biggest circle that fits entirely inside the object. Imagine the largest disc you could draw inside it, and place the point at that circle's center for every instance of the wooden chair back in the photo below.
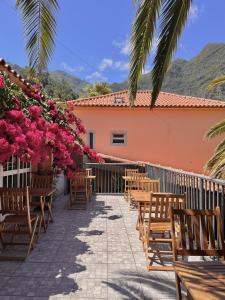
(78, 183)
(41, 181)
(160, 203)
(199, 231)
(148, 185)
(130, 172)
(15, 201)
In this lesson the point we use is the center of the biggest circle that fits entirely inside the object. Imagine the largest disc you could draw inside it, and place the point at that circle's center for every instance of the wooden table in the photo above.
(42, 193)
(203, 280)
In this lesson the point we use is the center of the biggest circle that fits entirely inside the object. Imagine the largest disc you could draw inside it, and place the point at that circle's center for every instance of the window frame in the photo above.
(26, 171)
(94, 142)
(118, 132)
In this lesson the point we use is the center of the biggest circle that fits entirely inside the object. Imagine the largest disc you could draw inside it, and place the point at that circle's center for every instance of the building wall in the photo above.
(170, 137)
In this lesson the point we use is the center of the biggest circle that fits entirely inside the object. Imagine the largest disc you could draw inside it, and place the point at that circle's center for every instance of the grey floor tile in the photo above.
(92, 254)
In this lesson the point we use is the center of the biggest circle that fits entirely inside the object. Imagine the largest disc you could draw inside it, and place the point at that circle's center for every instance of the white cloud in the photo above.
(108, 63)
(124, 46)
(194, 12)
(96, 76)
(147, 69)
(122, 65)
(155, 44)
(105, 63)
(70, 69)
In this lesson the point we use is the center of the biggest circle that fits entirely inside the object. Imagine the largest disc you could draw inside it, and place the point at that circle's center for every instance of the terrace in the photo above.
(96, 253)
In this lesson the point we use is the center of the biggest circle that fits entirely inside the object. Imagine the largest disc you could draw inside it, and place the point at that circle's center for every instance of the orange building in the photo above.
(172, 134)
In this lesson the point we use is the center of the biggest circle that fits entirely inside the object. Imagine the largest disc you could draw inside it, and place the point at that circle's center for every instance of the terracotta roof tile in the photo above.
(121, 99)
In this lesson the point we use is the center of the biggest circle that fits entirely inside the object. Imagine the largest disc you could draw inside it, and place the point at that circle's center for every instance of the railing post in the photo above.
(201, 194)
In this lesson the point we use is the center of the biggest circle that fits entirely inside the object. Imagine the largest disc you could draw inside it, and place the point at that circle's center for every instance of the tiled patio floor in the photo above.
(93, 254)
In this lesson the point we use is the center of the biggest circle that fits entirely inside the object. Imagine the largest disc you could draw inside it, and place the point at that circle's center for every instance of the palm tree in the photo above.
(99, 88)
(216, 164)
(216, 82)
(172, 16)
(39, 27)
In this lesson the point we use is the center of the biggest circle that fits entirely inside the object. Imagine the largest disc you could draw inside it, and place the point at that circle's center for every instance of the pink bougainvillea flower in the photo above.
(2, 82)
(35, 96)
(35, 111)
(36, 87)
(15, 115)
(70, 117)
(51, 103)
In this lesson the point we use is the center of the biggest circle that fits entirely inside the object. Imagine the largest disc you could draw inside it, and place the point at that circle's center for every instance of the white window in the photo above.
(91, 139)
(118, 138)
(15, 173)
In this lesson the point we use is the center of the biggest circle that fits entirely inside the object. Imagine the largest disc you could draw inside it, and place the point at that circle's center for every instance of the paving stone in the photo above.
(92, 254)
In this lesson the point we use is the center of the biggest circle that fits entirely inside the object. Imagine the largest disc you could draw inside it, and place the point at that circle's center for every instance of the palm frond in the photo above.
(216, 165)
(216, 130)
(215, 160)
(141, 40)
(173, 18)
(216, 82)
(39, 27)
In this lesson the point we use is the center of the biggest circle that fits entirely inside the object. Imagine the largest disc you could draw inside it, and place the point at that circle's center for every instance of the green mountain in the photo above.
(186, 77)
(191, 77)
(58, 84)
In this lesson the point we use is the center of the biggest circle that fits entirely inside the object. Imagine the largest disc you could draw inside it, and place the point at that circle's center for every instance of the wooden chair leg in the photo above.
(50, 215)
(42, 205)
(1, 236)
(31, 243)
(39, 228)
(178, 288)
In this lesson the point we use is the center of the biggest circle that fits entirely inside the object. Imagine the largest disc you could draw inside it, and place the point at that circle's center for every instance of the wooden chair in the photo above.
(42, 182)
(132, 182)
(155, 226)
(196, 233)
(141, 187)
(128, 173)
(78, 192)
(17, 220)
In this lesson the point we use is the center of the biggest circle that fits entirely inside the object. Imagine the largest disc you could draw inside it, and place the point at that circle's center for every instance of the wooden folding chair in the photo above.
(17, 220)
(128, 173)
(78, 192)
(139, 196)
(140, 187)
(132, 183)
(42, 182)
(196, 233)
(155, 227)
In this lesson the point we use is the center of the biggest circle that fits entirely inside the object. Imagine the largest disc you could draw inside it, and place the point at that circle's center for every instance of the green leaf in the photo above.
(173, 18)
(141, 41)
(216, 82)
(39, 26)
(216, 130)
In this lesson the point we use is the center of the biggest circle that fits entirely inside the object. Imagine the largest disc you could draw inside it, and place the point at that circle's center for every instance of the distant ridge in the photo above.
(185, 77)
(191, 77)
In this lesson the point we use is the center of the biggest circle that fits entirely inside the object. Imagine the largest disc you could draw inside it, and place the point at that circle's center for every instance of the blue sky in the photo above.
(92, 36)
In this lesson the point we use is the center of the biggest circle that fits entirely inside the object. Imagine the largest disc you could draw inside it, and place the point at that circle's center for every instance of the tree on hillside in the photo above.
(39, 26)
(99, 88)
(171, 16)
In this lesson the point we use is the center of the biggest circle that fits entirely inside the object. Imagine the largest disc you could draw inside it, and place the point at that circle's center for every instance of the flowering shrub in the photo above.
(32, 129)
